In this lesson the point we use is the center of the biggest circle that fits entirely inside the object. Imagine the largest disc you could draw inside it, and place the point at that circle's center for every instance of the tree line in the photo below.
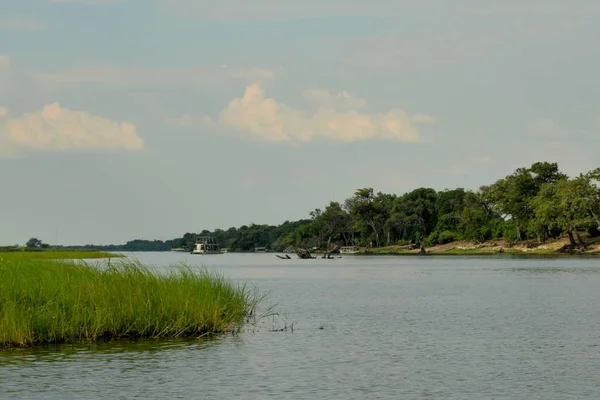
(538, 202)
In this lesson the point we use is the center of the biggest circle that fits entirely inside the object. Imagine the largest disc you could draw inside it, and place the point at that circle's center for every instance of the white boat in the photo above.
(206, 245)
(349, 249)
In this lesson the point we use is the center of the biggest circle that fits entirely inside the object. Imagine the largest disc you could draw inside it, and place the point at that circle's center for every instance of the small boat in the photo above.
(349, 249)
(206, 245)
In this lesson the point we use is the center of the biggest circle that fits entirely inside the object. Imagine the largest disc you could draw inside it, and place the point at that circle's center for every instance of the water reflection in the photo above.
(116, 348)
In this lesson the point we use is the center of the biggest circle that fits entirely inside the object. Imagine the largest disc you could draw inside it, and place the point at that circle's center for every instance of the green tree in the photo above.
(34, 243)
(332, 224)
(414, 214)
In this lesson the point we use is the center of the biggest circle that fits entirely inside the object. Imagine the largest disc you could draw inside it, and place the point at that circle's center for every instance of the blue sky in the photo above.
(148, 119)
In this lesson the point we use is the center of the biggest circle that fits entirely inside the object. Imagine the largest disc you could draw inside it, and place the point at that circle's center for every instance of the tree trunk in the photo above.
(303, 253)
(571, 239)
(580, 240)
(329, 251)
(372, 225)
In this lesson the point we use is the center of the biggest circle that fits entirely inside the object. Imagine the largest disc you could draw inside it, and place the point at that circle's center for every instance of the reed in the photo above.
(43, 302)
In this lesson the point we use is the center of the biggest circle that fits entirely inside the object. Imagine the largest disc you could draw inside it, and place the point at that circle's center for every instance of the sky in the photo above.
(124, 119)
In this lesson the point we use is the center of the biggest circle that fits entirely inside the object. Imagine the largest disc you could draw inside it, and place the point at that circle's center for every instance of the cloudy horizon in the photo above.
(125, 119)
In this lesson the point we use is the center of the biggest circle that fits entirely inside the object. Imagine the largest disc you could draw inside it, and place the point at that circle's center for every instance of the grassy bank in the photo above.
(43, 301)
(56, 255)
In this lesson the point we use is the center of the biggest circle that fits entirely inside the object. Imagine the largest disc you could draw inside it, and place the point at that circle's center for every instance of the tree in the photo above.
(512, 195)
(333, 223)
(415, 214)
(363, 209)
(34, 243)
(569, 205)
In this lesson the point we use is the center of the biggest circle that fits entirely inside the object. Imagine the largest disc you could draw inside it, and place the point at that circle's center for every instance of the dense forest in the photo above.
(539, 202)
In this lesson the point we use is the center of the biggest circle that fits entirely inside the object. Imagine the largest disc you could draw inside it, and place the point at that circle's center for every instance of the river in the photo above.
(439, 327)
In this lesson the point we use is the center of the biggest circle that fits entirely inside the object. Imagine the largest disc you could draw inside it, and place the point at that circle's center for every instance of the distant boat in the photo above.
(260, 249)
(349, 249)
(206, 245)
(178, 249)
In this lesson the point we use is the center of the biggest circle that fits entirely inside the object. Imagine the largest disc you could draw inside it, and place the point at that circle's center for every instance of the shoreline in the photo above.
(558, 247)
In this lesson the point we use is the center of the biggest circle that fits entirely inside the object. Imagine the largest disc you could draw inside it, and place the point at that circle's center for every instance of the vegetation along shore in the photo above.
(536, 209)
(60, 301)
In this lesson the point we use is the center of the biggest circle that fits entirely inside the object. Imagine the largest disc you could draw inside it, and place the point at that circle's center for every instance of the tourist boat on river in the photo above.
(349, 249)
(206, 245)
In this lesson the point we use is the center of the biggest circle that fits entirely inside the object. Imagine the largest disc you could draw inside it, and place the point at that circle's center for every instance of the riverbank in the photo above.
(530, 247)
(46, 302)
(57, 255)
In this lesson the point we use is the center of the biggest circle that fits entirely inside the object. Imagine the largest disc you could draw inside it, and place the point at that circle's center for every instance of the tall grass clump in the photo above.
(43, 302)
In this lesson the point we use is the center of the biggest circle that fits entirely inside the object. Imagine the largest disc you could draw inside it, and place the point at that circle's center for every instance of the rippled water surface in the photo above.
(364, 328)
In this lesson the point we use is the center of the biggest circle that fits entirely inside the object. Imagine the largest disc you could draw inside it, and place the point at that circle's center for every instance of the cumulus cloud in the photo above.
(336, 118)
(59, 129)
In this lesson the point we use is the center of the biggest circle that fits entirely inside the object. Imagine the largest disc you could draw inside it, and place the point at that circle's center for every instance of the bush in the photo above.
(447, 237)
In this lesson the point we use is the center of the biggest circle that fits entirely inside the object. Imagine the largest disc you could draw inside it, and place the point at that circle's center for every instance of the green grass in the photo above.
(55, 255)
(44, 302)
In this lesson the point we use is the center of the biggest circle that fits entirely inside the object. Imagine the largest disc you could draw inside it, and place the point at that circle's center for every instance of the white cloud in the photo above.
(59, 129)
(13, 23)
(154, 76)
(268, 120)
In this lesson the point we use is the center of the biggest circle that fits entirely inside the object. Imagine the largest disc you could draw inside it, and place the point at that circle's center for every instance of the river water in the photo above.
(364, 328)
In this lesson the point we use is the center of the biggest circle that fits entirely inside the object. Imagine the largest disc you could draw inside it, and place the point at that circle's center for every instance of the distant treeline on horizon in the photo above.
(539, 202)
